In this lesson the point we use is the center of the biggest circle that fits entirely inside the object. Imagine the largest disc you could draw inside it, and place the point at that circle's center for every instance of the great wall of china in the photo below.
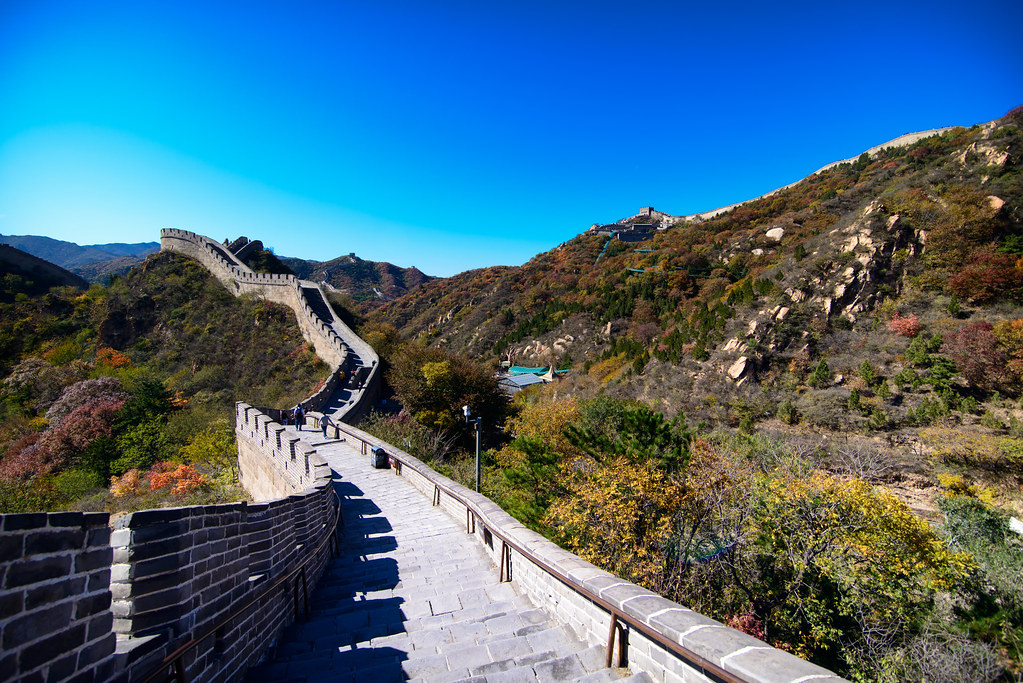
(202, 593)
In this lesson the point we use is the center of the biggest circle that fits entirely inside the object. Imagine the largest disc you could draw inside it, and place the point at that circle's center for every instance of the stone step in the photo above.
(550, 654)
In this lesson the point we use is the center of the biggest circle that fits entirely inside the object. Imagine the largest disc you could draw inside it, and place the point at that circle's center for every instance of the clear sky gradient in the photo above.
(453, 135)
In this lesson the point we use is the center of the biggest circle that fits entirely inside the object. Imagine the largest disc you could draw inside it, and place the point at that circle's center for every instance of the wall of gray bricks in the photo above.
(55, 596)
(80, 600)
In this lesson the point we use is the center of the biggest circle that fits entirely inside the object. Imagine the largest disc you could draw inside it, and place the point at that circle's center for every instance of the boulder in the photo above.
(738, 367)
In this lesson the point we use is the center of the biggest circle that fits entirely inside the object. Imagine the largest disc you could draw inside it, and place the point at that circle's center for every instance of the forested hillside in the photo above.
(122, 397)
(881, 298)
(802, 417)
(366, 283)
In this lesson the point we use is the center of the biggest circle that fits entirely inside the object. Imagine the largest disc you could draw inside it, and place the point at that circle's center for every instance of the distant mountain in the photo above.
(368, 282)
(37, 275)
(95, 262)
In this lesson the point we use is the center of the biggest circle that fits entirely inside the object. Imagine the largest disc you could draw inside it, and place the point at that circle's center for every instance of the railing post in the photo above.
(619, 629)
(505, 574)
(611, 640)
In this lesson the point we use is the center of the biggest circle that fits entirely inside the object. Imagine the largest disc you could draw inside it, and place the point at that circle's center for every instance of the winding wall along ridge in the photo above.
(572, 589)
(332, 340)
(81, 600)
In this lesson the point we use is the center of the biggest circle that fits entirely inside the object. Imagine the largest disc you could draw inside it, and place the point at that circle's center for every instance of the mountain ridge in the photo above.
(94, 262)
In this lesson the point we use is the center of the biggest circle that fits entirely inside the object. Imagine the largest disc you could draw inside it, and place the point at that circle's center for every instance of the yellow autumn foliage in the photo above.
(546, 420)
(865, 539)
(616, 515)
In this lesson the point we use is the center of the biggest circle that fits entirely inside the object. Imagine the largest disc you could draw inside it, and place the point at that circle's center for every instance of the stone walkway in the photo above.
(413, 597)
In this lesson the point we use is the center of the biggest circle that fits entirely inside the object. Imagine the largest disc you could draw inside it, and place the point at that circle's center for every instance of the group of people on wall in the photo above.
(297, 417)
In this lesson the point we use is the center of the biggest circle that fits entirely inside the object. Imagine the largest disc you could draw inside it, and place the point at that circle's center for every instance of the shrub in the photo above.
(987, 276)
(854, 401)
(878, 419)
(128, 484)
(787, 412)
(183, 479)
(140, 446)
(977, 355)
(215, 445)
(867, 373)
(86, 424)
(1009, 334)
(904, 326)
(112, 358)
(821, 375)
(80, 393)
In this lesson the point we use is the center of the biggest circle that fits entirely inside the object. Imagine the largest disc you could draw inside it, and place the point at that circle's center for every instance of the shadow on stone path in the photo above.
(413, 597)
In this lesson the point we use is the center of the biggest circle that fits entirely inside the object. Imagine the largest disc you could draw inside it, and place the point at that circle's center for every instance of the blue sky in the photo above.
(455, 135)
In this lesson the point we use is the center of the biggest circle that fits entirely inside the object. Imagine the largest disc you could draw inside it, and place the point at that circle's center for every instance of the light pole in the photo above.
(476, 421)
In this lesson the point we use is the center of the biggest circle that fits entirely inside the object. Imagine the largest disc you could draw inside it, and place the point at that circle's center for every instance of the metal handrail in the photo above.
(617, 615)
(174, 659)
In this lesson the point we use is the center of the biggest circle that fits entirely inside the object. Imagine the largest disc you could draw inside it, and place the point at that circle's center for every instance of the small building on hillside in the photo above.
(516, 377)
(512, 384)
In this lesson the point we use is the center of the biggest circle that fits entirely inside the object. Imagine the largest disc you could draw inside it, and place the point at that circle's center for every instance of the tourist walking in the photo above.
(299, 417)
(325, 422)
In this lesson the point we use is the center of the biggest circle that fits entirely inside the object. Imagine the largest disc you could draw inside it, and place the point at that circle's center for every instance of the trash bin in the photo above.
(378, 458)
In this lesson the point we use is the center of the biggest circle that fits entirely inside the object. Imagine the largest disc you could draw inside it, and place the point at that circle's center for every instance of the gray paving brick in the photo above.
(567, 668)
(467, 655)
(425, 666)
(509, 648)
(516, 675)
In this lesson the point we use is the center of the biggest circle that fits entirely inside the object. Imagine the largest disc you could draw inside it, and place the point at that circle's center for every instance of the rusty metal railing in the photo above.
(620, 621)
(172, 667)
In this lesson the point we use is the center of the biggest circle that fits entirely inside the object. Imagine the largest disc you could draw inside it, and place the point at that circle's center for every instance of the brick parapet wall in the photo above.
(55, 596)
(742, 655)
(81, 601)
(271, 462)
(177, 571)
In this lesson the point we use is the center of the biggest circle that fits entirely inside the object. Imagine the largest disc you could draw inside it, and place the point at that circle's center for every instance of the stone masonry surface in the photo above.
(55, 596)
(414, 597)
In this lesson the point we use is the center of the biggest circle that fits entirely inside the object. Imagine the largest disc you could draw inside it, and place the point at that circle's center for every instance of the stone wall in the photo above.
(179, 571)
(55, 596)
(78, 600)
(271, 462)
(330, 341)
(710, 643)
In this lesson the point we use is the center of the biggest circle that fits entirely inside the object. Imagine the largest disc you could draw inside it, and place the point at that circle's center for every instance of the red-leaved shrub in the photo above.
(82, 426)
(976, 352)
(26, 458)
(987, 276)
(907, 327)
(184, 479)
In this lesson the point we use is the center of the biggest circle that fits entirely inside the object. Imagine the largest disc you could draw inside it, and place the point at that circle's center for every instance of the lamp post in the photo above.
(476, 421)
